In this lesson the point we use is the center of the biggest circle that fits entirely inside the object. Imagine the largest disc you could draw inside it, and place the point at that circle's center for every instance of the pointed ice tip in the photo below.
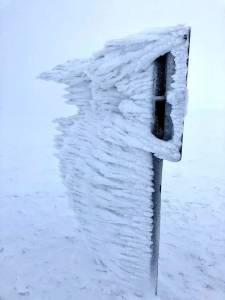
(44, 76)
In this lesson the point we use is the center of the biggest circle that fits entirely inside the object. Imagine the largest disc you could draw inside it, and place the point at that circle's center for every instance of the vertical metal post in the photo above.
(158, 131)
(162, 129)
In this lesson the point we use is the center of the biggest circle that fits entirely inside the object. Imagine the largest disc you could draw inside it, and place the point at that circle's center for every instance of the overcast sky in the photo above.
(37, 35)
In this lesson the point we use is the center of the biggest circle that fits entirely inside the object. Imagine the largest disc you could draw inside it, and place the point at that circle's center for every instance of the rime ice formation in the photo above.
(105, 150)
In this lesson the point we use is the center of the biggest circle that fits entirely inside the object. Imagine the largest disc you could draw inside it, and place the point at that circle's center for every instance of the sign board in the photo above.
(131, 100)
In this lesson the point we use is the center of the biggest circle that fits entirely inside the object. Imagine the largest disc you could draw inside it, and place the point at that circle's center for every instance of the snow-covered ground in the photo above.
(192, 258)
(42, 255)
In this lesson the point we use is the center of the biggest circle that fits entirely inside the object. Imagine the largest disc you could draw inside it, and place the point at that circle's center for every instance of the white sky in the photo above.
(37, 35)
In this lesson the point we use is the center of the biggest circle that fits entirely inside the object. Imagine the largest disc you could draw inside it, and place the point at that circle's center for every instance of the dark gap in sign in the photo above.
(164, 68)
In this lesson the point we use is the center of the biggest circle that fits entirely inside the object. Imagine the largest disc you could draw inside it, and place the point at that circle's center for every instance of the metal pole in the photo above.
(158, 131)
(162, 129)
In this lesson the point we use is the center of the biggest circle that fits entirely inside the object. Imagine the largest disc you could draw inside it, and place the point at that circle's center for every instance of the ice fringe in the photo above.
(105, 150)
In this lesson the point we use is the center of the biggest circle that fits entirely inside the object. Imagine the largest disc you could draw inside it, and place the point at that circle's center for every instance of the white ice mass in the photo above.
(106, 150)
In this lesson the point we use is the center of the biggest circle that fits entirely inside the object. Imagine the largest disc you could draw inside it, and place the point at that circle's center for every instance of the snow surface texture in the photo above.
(105, 151)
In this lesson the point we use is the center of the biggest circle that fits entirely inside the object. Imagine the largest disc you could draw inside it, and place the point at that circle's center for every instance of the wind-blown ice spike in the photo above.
(111, 152)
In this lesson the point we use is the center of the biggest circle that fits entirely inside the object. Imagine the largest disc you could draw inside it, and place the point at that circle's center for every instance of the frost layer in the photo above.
(105, 150)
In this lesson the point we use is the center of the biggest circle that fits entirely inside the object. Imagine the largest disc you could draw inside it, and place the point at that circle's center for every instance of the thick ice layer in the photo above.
(105, 150)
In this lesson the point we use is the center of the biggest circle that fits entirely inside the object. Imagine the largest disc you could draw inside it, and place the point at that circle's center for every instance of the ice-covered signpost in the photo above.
(131, 100)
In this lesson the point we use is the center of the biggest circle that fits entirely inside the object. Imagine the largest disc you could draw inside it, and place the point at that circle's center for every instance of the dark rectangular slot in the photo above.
(164, 69)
